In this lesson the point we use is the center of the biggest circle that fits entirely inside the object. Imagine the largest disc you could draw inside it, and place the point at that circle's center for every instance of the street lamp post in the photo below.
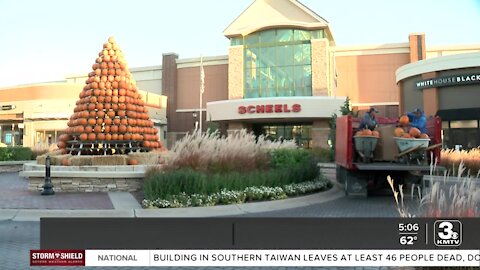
(47, 187)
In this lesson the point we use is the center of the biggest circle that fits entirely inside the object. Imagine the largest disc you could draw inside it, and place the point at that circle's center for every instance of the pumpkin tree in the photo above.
(110, 116)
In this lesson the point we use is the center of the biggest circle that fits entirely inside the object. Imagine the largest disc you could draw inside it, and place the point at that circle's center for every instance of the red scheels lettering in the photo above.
(269, 108)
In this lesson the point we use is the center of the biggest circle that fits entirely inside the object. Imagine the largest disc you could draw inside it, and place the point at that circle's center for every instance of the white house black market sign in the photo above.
(448, 81)
(7, 107)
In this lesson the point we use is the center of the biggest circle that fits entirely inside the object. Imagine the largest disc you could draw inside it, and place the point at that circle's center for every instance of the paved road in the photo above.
(17, 238)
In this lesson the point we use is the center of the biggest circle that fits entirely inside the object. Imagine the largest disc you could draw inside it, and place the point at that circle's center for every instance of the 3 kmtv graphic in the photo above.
(447, 233)
(57, 257)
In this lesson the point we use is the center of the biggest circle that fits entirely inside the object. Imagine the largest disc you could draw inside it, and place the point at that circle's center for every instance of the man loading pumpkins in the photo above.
(417, 119)
(369, 121)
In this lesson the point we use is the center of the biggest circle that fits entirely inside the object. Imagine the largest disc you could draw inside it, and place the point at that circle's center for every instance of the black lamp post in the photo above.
(47, 187)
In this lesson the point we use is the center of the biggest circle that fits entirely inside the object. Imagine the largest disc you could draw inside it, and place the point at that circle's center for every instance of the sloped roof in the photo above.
(265, 14)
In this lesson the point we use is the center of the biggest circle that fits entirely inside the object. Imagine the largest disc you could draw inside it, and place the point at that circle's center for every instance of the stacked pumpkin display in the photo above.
(410, 133)
(110, 109)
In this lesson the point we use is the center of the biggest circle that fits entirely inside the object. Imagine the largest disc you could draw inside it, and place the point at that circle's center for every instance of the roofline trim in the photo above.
(448, 62)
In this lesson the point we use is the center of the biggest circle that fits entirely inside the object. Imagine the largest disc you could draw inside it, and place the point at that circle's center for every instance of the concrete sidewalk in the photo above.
(19, 204)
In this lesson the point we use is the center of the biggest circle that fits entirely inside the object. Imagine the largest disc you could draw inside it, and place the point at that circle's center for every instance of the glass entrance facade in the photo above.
(278, 62)
(301, 133)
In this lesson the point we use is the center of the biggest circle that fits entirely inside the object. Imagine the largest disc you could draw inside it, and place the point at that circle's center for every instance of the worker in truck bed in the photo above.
(369, 121)
(417, 119)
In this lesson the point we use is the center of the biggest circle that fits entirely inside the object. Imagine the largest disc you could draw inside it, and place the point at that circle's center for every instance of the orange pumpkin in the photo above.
(406, 136)
(92, 137)
(404, 120)
(424, 136)
(132, 161)
(61, 144)
(65, 162)
(414, 132)
(367, 132)
(398, 132)
(101, 136)
(376, 133)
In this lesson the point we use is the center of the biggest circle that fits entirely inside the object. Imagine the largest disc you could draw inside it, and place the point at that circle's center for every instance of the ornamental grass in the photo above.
(209, 152)
(444, 199)
(451, 159)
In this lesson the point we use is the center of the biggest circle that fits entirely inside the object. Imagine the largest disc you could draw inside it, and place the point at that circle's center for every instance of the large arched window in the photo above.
(278, 63)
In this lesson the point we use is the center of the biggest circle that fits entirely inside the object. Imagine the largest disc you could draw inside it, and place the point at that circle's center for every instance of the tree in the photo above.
(345, 109)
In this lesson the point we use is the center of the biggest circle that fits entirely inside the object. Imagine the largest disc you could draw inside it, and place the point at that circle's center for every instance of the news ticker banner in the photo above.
(257, 258)
(259, 233)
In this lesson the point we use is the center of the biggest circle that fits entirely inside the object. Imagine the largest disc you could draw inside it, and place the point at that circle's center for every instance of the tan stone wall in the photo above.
(320, 131)
(235, 72)
(320, 67)
(87, 184)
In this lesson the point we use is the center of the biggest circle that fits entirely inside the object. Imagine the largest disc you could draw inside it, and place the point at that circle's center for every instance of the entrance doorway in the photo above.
(301, 133)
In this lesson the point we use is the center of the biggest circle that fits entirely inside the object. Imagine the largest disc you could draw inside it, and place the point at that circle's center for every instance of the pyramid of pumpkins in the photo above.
(110, 108)
(411, 133)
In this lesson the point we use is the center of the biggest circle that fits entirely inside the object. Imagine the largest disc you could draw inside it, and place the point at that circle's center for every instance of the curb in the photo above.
(210, 211)
(15, 162)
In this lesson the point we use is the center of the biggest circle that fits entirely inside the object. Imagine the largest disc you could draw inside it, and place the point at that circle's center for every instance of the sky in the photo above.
(47, 40)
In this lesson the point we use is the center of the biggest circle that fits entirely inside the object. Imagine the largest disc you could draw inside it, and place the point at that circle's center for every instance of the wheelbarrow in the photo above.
(365, 146)
(413, 150)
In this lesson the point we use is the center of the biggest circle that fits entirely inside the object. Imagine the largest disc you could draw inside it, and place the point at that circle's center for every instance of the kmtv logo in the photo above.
(447, 233)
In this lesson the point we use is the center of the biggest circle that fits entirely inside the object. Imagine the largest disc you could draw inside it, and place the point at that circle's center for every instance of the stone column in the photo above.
(320, 67)
(235, 72)
(320, 132)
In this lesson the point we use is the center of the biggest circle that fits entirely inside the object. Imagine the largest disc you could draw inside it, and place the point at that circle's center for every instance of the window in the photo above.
(301, 133)
(278, 63)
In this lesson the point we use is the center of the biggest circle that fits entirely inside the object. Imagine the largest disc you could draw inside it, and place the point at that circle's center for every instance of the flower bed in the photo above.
(209, 169)
(249, 194)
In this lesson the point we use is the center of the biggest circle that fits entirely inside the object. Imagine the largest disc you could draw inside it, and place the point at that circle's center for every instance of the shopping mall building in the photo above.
(284, 76)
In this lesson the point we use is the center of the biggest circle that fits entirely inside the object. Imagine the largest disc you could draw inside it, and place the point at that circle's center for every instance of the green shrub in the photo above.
(163, 184)
(22, 153)
(15, 153)
(323, 154)
(282, 158)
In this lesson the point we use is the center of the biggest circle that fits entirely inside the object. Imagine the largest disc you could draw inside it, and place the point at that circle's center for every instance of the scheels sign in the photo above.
(269, 108)
(448, 81)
